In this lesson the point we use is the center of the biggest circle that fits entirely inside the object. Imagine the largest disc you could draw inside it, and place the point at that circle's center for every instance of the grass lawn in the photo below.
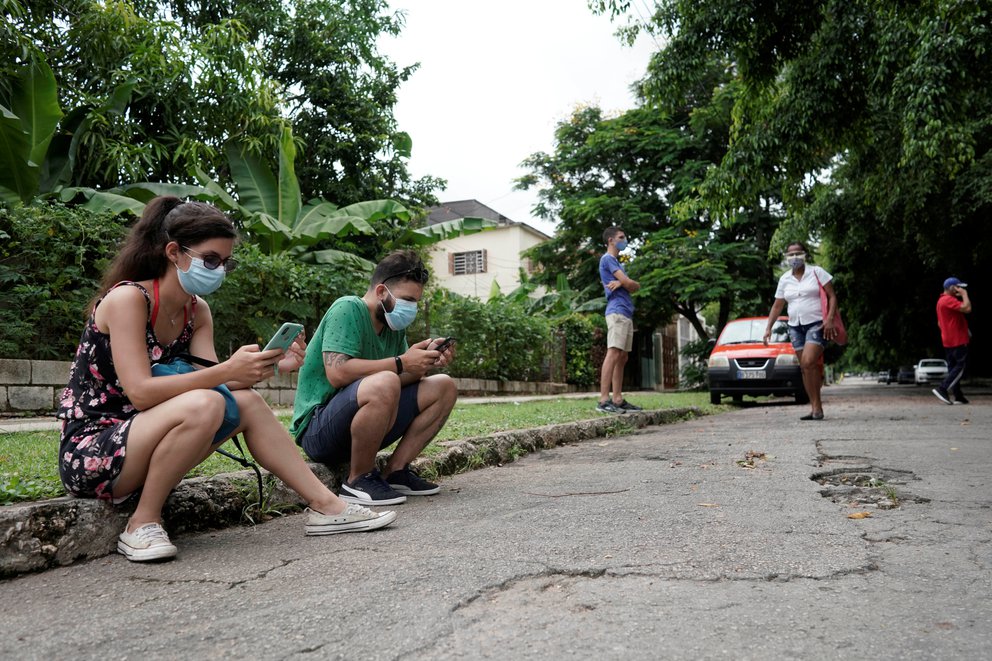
(29, 470)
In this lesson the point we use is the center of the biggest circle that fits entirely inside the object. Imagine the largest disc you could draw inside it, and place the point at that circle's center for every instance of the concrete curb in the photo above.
(51, 533)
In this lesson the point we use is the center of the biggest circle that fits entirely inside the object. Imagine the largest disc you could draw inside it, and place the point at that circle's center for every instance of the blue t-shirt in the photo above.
(618, 301)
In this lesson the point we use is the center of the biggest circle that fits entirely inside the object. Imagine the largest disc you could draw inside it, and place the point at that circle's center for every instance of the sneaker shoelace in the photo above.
(152, 534)
(358, 510)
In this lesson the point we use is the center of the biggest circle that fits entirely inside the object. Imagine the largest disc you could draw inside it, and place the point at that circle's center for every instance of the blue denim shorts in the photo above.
(803, 333)
(327, 438)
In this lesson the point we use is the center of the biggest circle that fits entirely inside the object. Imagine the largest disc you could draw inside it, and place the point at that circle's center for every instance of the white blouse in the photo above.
(803, 295)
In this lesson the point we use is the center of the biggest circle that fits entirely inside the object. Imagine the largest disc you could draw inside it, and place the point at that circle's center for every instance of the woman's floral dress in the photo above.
(96, 413)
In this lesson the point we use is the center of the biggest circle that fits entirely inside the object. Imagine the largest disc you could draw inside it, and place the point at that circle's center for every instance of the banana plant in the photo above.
(39, 143)
(272, 208)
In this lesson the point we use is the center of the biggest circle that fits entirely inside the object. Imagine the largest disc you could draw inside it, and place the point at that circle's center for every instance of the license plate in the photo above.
(751, 374)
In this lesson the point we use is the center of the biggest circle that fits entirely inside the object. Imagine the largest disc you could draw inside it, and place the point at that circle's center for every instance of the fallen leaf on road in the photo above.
(965, 422)
(859, 515)
(954, 449)
(708, 504)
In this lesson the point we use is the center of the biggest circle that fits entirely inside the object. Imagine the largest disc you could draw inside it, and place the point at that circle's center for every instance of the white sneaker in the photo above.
(149, 542)
(354, 518)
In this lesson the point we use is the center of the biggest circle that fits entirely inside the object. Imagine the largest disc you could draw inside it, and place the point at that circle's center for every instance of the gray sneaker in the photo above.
(354, 518)
(609, 407)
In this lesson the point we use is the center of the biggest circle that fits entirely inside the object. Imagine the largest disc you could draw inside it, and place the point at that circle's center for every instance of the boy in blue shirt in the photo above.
(619, 323)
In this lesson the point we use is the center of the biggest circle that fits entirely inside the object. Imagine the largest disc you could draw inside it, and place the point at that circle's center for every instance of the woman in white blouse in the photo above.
(800, 288)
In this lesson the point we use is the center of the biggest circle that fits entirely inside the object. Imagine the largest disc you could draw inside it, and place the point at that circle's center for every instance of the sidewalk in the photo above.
(9, 425)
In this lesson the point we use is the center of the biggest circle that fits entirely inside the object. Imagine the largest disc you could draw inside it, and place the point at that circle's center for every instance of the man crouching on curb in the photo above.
(361, 387)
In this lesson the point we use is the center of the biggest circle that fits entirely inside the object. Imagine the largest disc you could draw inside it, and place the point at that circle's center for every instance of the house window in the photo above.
(465, 263)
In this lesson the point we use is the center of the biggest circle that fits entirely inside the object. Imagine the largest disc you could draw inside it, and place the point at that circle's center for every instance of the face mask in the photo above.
(198, 280)
(796, 261)
(402, 315)
(621, 245)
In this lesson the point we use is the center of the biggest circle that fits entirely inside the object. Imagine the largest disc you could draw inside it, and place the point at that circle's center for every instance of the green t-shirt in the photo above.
(346, 328)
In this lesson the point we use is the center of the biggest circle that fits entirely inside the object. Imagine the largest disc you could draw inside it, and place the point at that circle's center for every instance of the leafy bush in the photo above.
(496, 340)
(52, 258)
(694, 371)
(578, 333)
(51, 261)
(267, 290)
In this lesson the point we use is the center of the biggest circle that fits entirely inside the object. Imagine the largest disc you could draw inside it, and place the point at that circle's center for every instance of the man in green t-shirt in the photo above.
(361, 387)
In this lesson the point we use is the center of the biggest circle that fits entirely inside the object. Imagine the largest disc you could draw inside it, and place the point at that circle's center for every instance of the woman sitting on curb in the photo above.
(126, 432)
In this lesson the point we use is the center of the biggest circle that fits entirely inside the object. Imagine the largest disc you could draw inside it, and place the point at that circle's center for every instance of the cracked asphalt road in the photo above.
(661, 544)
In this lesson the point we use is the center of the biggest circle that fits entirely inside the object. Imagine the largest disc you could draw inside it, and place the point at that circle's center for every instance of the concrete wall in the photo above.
(31, 385)
(34, 386)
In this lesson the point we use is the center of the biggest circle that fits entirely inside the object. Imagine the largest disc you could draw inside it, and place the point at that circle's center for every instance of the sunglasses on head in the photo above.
(418, 274)
(212, 261)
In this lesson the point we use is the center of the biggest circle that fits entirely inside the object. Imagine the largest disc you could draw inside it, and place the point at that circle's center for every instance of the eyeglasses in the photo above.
(212, 261)
(418, 274)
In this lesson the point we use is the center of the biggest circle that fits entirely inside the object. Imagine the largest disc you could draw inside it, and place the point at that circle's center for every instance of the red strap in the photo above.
(155, 305)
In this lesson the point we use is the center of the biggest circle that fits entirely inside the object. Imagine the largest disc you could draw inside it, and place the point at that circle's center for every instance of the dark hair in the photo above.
(404, 265)
(610, 232)
(797, 243)
(165, 219)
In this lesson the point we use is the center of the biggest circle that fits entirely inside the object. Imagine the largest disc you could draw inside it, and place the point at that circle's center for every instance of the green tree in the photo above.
(206, 73)
(637, 171)
(873, 118)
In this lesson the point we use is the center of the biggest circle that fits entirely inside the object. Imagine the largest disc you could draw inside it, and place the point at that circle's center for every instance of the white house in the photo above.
(469, 265)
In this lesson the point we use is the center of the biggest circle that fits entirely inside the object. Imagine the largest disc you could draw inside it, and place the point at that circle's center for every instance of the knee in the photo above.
(205, 408)
(249, 400)
(380, 388)
(447, 391)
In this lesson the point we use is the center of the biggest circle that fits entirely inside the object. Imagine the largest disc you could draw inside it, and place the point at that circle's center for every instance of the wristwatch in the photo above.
(399, 364)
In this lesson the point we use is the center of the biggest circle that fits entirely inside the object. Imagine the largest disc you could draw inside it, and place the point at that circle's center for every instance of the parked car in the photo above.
(930, 370)
(740, 363)
(885, 376)
(906, 374)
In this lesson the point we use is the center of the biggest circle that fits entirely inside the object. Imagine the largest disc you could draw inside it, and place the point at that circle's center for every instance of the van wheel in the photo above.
(714, 397)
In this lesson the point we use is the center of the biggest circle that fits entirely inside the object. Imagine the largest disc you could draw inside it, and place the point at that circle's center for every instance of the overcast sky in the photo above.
(495, 78)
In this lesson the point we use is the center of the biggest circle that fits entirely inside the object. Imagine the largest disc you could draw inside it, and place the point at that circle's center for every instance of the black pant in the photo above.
(956, 357)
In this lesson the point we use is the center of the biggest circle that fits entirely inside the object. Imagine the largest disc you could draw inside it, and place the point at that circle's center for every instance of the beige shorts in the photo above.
(619, 332)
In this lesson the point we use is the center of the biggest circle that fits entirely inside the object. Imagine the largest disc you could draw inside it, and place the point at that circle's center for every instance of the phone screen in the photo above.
(448, 341)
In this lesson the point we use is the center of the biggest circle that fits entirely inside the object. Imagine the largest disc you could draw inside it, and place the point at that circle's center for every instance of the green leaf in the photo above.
(222, 198)
(144, 191)
(339, 258)
(35, 101)
(403, 144)
(450, 228)
(289, 186)
(18, 178)
(257, 188)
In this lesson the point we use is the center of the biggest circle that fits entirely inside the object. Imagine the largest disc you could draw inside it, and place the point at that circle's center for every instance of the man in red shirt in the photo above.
(952, 306)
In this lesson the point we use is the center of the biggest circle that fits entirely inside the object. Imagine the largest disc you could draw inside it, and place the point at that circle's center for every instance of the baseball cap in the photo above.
(954, 282)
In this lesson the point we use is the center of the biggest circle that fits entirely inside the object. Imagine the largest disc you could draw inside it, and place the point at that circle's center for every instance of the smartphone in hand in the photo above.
(283, 338)
(447, 342)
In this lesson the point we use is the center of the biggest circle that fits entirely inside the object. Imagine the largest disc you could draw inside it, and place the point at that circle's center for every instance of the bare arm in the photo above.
(626, 282)
(777, 307)
(965, 301)
(342, 369)
(123, 315)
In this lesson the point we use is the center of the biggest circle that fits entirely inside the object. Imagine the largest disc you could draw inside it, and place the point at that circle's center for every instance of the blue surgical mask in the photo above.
(403, 314)
(621, 245)
(796, 261)
(198, 280)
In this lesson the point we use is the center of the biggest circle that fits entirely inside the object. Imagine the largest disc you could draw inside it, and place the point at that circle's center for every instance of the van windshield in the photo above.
(750, 331)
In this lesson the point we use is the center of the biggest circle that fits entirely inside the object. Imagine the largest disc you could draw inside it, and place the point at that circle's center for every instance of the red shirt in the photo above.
(953, 325)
